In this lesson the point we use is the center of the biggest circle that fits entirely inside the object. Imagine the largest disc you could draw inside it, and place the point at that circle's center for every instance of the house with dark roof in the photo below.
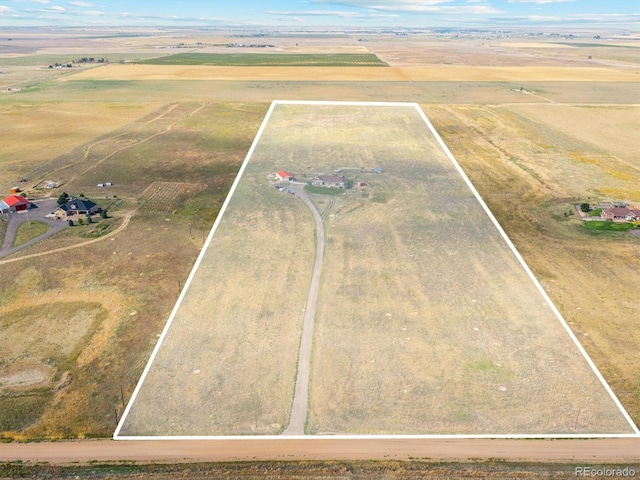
(16, 203)
(329, 181)
(77, 206)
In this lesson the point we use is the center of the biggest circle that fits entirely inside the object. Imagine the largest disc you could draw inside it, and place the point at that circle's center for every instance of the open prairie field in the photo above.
(33, 134)
(519, 148)
(77, 320)
(530, 183)
(426, 323)
(452, 73)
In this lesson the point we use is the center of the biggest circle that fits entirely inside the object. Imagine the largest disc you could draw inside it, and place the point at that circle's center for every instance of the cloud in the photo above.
(92, 13)
(539, 1)
(55, 9)
(81, 4)
(434, 7)
(438, 9)
(298, 14)
(574, 19)
(4, 9)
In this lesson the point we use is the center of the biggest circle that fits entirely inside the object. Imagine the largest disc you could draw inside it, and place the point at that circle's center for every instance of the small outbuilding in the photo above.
(4, 208)
(284, 176)
(15, 190)
(17, 203)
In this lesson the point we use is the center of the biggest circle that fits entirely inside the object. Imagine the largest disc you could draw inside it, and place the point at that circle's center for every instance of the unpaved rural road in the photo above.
(300, 402)
(612, 450)
(124, 224)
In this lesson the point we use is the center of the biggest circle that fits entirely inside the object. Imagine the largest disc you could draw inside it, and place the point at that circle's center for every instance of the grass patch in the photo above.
(95, 230)
(323, 190)
(28, 231)
(3, 229)
(597, 45)
(606, 226)
(380, 197)
(22, 410)
(270, 60)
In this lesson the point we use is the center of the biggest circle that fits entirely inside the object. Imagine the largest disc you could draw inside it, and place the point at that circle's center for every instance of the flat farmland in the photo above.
(426, 322)
(270, 59)
(452, 73)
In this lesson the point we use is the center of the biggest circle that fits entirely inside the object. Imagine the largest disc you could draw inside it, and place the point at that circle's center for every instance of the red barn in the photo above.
(284, 176)
(16, 203)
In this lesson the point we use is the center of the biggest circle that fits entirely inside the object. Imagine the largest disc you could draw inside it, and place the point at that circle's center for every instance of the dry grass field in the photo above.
(426, 322)
(452, 73)
(508, 142)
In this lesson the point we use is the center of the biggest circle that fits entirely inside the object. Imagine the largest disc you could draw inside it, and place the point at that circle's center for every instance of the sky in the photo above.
(613, 14)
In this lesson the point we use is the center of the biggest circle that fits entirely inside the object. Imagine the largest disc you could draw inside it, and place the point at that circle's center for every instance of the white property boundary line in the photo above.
(457, 166)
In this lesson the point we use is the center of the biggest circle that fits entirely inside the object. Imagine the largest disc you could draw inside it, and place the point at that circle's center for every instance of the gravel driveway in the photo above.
(43, 207)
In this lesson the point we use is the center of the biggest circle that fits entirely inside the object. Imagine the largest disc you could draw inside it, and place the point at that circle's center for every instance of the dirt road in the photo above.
(613, 450)
(299, 406)
(124, 224)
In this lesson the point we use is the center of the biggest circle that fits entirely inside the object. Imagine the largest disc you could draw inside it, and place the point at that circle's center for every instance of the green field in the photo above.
(270, 60)
(29, 231)
(606, 226)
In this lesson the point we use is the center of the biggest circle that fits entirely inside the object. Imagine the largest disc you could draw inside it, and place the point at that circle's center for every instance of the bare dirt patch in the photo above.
(24, 374)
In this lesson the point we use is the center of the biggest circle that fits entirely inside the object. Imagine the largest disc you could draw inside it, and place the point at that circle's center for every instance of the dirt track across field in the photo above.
(613, 450)
(300, 402)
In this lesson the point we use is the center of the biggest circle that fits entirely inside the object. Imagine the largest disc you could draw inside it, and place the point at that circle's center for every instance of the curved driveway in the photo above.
(17, 219)
(299, 406)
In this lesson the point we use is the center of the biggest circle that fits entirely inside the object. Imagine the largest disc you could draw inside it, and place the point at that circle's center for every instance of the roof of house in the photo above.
(78, 204)
(283, 174)
(635, 212)
(14, 200)
(331, 178)
(3, 206)
(618, 212)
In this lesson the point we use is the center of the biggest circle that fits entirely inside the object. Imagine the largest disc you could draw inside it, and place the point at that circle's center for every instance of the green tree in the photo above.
(89, 220)
(103, 214)
(63, 198)
(585, 207)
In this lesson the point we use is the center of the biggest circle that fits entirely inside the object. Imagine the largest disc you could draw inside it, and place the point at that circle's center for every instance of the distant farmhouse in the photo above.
(329, 181)
(14, 203)
(619, 214)
(284, 176)
(76, 206)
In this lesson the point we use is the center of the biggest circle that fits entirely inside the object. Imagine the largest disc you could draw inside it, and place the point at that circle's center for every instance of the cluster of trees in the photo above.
(91, 60)
(81, 60)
